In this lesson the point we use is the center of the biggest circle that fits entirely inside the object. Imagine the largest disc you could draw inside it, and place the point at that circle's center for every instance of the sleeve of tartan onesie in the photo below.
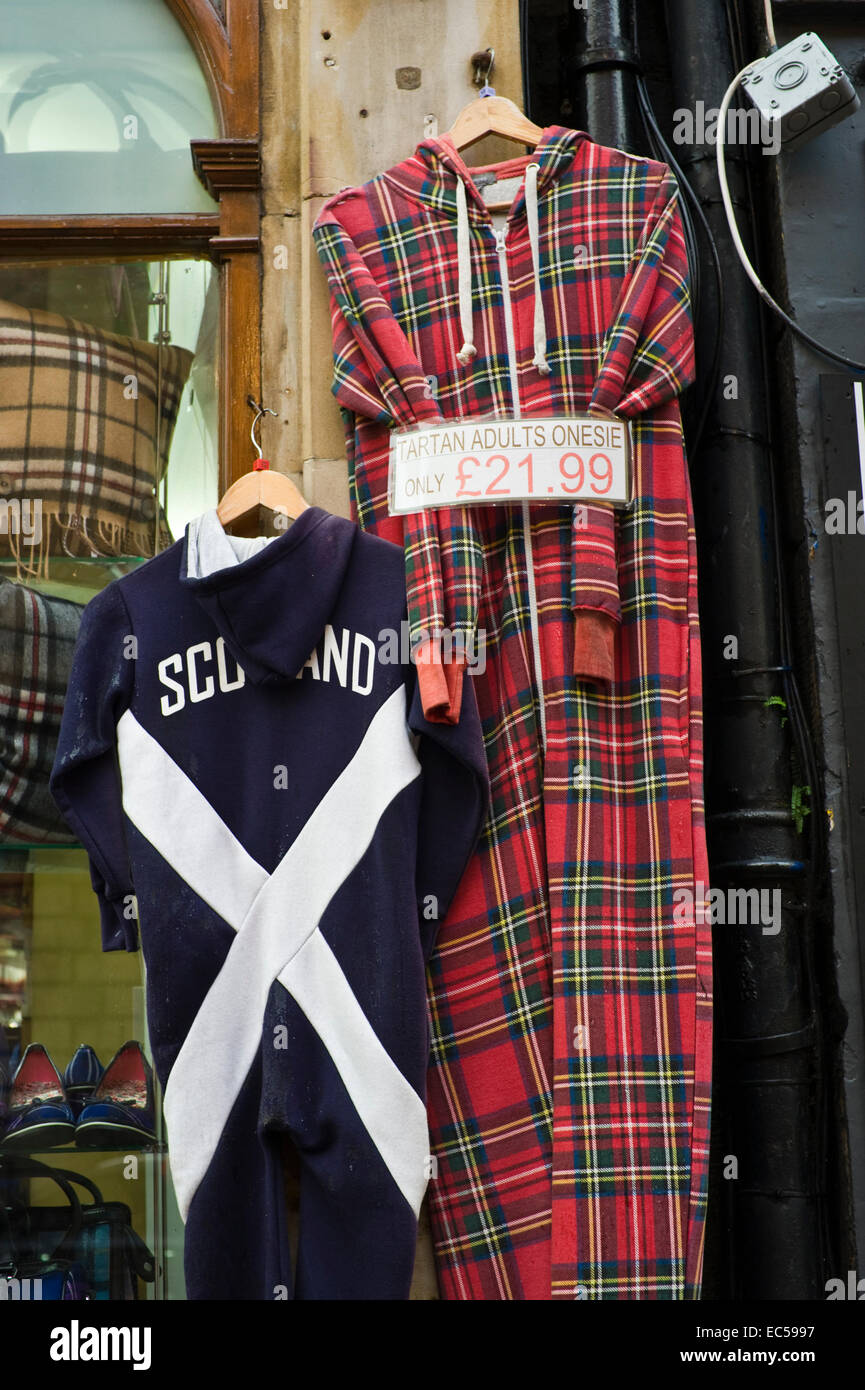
(85, 781)
(378, 377)
(647, 359)
(454, 802)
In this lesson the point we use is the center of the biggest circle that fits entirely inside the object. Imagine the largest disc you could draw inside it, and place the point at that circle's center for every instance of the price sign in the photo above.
(467, 463)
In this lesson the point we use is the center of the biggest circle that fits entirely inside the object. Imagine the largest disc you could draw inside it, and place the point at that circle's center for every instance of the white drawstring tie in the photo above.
(464, 274)
(540, 328)
(464, 269)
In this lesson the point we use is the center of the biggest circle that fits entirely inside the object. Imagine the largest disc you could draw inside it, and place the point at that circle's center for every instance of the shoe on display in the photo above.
(120, 1113)
(81, 1077)
(38, 1113)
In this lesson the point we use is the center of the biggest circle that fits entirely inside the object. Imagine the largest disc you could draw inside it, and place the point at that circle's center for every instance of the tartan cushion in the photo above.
(78, 434)
(37, 635)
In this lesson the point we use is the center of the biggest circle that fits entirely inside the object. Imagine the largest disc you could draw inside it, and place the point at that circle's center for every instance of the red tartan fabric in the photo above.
(440, 682)
(595, 647)
(570, 1077)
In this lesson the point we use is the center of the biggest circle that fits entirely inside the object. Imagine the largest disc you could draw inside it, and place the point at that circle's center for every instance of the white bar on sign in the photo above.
(557, 459)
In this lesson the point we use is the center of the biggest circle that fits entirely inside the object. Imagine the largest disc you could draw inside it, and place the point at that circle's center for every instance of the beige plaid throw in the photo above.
(79, 435)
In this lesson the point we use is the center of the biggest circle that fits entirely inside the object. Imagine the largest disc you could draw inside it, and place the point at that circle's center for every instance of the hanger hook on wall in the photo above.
(482, 62)
(259, 411)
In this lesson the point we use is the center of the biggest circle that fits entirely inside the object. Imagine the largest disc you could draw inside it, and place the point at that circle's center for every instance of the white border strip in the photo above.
(859, 402)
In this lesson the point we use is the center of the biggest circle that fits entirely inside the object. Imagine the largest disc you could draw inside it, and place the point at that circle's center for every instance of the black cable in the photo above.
(689, 195)
(662, 153)
(856, 367)
(524, 58)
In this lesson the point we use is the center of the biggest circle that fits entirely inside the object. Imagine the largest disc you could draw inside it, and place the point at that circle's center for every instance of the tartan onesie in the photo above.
(570, 991)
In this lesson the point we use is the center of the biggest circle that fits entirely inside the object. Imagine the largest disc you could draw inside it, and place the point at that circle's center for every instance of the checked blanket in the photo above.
(37, 637)
(86, 419)
(570, 1081)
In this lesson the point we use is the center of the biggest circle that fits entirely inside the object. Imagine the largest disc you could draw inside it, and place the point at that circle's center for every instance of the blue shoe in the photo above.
(81, 1078)
(120, 1113)
(38, 1114)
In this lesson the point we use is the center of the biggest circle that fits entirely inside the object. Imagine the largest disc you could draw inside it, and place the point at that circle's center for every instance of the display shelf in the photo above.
(68, 1151)
(26, 847)
(86, 560)
(78, 579)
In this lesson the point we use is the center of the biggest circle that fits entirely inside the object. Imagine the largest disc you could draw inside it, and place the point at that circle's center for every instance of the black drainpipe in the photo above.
(603, 88)
(764, 1227)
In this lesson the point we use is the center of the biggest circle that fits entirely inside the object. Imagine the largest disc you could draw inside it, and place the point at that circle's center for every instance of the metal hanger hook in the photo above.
(259, 411)
(487, 55)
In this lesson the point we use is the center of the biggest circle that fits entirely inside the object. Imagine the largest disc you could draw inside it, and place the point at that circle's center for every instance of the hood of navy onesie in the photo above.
(150, 688)
(249, 587)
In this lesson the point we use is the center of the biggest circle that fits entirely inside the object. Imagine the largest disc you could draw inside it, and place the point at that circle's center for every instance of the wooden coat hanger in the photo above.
(493, 116)
(260, 487)
(489, 114)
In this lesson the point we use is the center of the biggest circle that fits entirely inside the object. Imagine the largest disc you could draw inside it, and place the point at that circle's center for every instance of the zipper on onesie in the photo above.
(500, 235)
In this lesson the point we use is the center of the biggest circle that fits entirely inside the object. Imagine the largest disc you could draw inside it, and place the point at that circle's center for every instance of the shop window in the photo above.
(128, 237)
(99, 100)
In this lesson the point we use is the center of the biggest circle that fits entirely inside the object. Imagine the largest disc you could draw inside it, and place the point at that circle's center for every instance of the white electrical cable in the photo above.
(737, 240)
(725, 192)
(770, 23)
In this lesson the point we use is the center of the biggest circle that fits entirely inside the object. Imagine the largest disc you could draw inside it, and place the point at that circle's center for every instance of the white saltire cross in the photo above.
(276, 917)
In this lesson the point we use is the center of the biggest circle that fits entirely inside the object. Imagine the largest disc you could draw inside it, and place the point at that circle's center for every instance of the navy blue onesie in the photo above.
(244, 750)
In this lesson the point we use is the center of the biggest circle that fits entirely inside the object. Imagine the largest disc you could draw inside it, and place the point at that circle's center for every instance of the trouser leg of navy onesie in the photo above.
(357, 1233)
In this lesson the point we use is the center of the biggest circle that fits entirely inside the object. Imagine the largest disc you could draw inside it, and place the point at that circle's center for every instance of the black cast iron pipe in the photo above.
(763, 1234)
(602, 87)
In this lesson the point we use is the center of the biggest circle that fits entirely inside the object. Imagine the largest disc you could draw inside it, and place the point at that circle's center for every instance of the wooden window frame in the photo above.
(226, 43)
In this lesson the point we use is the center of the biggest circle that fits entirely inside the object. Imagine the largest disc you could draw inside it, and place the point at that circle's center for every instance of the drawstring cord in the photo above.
(540, 328)
(464, 273)
(464, 268)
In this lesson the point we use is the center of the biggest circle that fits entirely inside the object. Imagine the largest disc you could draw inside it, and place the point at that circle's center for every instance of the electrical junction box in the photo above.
(802, 88)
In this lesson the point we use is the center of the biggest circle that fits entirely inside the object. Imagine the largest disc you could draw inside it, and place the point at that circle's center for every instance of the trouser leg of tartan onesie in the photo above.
(564, 929)
(489, 1092)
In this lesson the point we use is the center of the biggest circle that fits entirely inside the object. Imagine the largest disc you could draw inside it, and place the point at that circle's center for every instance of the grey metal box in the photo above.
(802, 87)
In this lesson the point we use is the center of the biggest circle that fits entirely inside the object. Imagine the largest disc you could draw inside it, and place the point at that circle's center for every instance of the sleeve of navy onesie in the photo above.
(85, 780)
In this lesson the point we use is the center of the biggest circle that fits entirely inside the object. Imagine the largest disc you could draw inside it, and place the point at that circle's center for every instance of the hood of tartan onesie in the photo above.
(571, 982)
